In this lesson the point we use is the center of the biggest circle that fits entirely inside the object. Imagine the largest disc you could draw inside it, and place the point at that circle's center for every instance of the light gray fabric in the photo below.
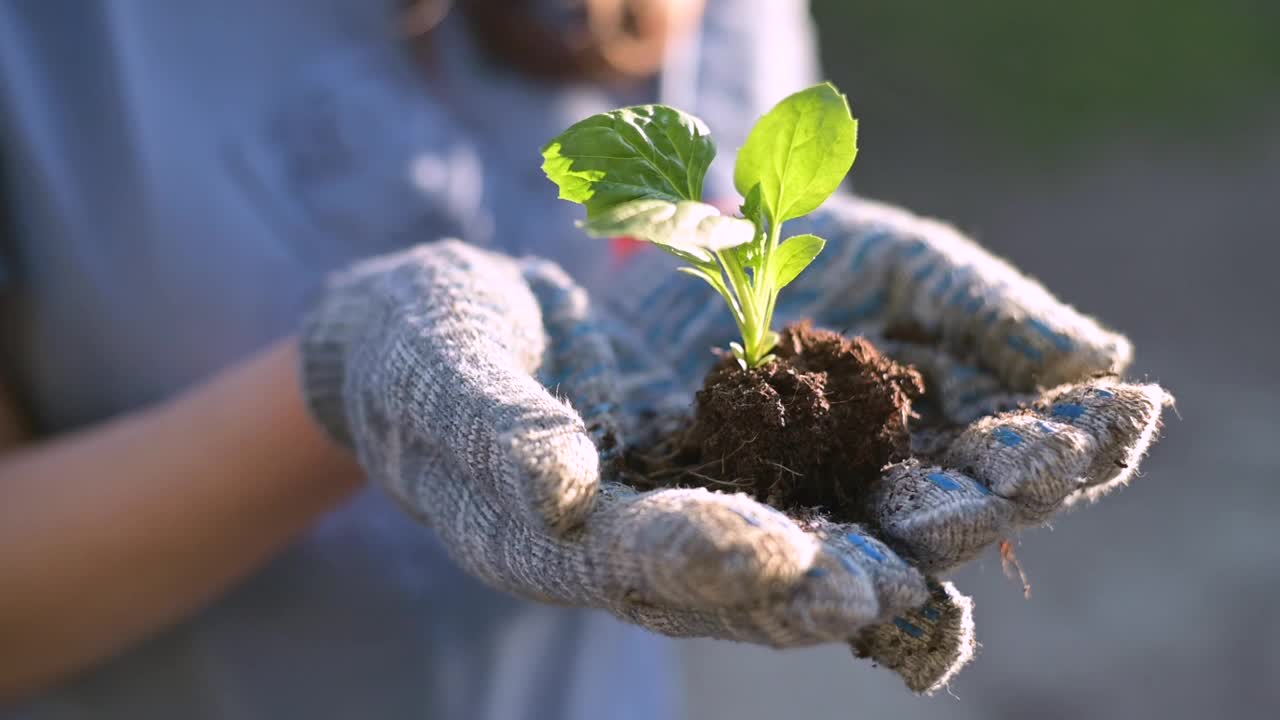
(434, 352)
(1034, 415)
(927, 645)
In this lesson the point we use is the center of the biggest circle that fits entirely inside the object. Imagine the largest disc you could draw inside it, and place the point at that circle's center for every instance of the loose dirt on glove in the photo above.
(810, 430)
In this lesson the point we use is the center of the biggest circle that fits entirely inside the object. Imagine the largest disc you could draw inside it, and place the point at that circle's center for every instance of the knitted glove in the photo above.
(483, 395)
(1034, 417)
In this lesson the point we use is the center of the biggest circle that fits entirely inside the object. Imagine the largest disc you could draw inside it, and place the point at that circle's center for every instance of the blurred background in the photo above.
(1128, 155)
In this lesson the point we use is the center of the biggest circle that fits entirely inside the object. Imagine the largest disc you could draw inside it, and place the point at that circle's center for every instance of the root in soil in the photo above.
(812, 429)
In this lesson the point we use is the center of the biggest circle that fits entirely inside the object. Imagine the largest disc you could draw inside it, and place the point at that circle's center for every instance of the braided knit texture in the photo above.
(483, 394)
(491, 398)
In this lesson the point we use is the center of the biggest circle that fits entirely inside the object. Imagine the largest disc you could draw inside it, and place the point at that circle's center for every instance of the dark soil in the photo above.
(810, 430)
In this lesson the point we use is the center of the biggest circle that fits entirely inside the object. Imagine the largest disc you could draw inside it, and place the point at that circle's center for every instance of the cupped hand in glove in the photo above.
(1029, 412)
(486, 397)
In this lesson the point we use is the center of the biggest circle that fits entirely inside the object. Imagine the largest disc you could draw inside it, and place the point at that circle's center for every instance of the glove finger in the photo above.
(1078, 441)
(634, 549)
(978, 304)
(926, 646)
(1123, 418)
(636, 553)
(481, 534)
(687, 548)
(695, 548)
(1032, 461)
(886, 267)
(830, 603)
(937, 517)
(898, 585)
(1015, 470)
(579, 363)
(466, 364)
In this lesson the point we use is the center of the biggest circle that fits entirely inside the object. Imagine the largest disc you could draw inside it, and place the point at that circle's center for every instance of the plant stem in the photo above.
(749, 324)
(765, 293)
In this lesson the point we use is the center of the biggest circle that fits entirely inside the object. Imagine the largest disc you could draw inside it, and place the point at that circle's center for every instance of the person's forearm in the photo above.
(113, 532)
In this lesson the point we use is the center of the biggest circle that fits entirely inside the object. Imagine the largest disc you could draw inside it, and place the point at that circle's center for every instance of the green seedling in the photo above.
(639, 171)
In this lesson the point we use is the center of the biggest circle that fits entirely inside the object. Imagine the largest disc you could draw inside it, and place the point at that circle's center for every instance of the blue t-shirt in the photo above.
(178, 179)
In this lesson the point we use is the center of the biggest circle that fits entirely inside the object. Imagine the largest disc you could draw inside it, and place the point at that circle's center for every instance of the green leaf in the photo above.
(688, 257)
(799, 152)
(749, 254)
(793, 256)
(753, 207)
(645, 151)
(694, 228)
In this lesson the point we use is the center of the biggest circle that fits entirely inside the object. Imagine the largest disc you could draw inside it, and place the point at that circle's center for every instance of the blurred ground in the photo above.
(1154, 207)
